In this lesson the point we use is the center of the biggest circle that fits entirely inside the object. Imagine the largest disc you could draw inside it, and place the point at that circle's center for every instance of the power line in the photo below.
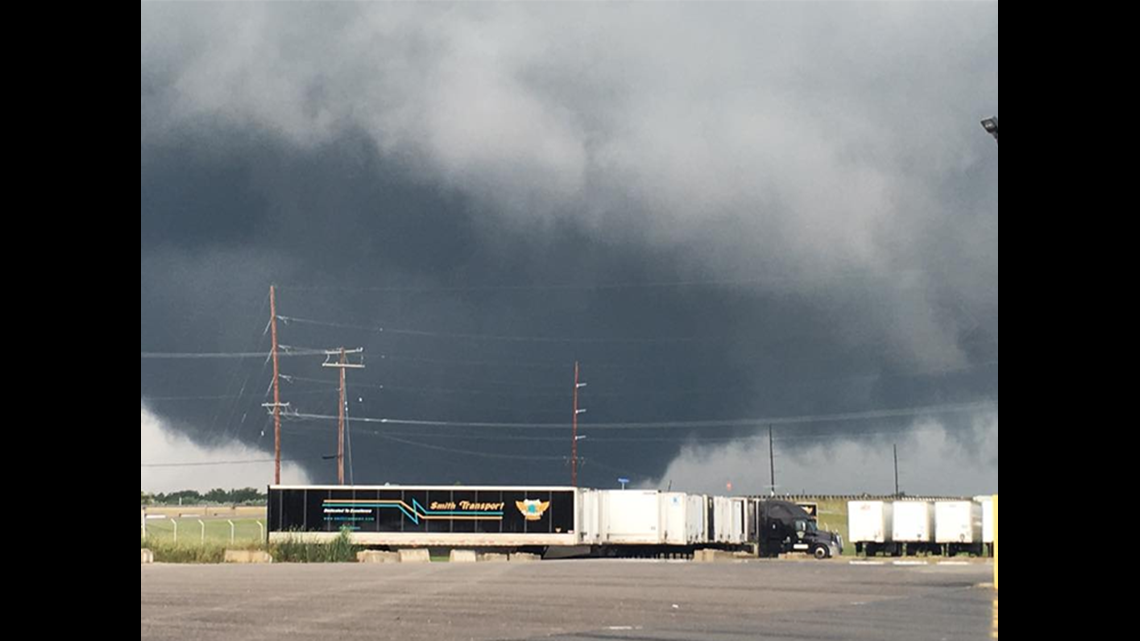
(938, 371)
(745, 422)
(241, 393)
(619, 470)
(244, 462)
(188, 398)
(657, 392)
(685, 439)
(470, 452)
(492, 337)
(438, 361)
(214, 355)
(561, 287)
(519, 364)
(233, 378)
(441, 390)
(217, 397)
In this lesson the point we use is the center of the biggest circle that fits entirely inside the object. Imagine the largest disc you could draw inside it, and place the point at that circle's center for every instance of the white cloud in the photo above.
(933, 460)
(160, 444)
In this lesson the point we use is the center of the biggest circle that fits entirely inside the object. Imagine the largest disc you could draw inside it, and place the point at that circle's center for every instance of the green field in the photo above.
(217, 531)
(833, 518)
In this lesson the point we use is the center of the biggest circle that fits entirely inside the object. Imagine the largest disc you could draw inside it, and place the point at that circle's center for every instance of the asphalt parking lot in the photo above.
(570, 600)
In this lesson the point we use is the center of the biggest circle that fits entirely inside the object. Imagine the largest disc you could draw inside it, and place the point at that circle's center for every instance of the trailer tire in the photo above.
(821, 552)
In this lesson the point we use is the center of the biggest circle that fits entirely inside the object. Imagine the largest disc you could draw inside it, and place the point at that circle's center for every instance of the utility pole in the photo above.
(574, 431)
(340, 425)
(341, 364)
(276, 389)
(896, 447)
(772, 461)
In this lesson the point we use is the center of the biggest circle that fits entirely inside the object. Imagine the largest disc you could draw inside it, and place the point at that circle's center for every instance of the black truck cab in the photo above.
(786, 527)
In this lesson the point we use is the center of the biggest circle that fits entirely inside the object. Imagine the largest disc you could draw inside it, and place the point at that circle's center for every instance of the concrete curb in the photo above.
(247, 556)
(715, 556)
(415, 555)
(377, 556)
(463, 556)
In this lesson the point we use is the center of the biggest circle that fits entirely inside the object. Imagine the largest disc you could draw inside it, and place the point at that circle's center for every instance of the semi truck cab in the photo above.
(786, 527)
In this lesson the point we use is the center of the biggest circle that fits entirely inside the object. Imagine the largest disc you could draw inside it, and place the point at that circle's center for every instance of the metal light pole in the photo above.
(896, 449)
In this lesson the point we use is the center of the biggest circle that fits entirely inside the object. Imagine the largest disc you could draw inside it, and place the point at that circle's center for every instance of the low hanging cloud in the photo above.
(746, 139)
(172, 462)
(708, 132)
(934, 458)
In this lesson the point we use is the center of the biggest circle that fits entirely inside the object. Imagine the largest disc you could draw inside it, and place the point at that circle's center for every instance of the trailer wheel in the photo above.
(821, 552)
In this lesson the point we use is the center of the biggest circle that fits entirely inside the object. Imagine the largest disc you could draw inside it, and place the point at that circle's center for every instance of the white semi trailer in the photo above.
(946, 526)
(913, 526)
(958, 526)
(870, 526)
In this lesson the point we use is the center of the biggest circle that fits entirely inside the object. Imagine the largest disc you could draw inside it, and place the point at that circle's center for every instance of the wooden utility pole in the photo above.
(276, 389)
(341, 364)
(340, 425)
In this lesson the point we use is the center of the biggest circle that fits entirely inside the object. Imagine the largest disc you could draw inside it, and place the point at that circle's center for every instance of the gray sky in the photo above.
(722, 210)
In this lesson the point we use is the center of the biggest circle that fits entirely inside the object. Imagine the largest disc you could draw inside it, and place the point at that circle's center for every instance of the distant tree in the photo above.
(173, 498)
(216, 495)
(247, 495)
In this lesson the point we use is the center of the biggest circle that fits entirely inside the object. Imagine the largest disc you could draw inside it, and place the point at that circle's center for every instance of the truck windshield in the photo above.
(806, 526)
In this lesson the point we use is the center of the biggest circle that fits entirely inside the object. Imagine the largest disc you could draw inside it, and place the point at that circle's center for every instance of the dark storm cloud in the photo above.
(823, 163)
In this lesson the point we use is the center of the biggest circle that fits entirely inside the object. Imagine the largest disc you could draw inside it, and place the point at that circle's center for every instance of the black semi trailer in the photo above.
(425, 516)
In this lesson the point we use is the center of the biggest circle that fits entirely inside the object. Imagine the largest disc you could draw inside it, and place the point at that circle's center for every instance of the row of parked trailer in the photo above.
(603, 521)
(918, 526)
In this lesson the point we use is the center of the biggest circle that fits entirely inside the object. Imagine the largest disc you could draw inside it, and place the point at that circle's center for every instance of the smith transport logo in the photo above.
(532, 509)
(342, 510)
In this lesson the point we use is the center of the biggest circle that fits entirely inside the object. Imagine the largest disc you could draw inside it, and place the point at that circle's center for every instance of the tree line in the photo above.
(244, 496)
